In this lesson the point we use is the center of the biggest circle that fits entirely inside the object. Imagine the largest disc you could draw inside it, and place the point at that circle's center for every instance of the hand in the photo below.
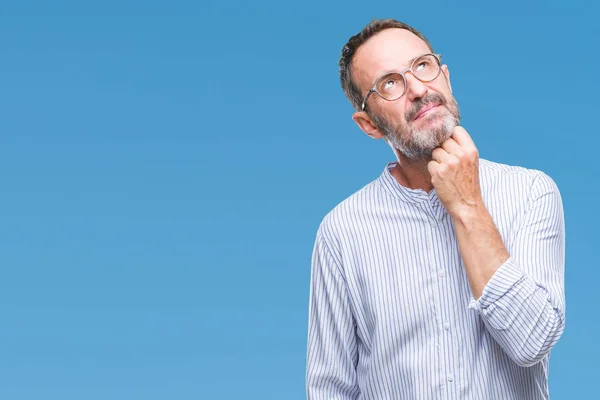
(454, 173)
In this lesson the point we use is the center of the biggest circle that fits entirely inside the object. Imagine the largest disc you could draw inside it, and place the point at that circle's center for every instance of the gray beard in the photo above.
(418, 144)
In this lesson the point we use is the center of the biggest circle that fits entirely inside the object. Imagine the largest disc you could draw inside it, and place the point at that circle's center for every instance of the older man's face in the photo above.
(402, 122)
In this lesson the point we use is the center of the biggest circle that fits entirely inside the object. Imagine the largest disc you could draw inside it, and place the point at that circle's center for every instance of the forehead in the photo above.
(390, 49)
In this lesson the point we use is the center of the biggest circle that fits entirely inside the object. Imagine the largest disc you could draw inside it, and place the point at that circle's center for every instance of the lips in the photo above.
(424, 110)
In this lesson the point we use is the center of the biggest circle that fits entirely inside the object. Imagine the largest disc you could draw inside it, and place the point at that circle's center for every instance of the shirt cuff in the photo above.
(506, 276)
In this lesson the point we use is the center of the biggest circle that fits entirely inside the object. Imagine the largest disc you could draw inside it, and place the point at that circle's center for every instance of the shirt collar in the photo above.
(391, 185)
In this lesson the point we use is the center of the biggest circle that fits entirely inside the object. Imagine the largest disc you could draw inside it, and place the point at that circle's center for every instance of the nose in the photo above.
(415, 89)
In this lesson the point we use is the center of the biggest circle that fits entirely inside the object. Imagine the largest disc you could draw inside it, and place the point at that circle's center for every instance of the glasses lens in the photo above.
(391, 86)
(426, 68)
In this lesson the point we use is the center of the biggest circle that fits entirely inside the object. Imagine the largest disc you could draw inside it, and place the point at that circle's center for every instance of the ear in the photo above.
(446, 72)
(363, 120)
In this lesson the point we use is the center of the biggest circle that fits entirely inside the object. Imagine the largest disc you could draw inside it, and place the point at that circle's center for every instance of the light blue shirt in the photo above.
(391, 313)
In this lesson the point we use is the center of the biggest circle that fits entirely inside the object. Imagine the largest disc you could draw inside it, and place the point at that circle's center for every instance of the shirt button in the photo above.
(447, 325)
(450, 378)
(441, 273)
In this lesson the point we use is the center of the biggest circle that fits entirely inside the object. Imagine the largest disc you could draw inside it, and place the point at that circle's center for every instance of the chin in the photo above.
(426, 139)
(417, 143)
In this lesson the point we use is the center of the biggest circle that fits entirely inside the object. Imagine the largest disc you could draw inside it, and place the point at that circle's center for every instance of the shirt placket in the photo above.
(438, 257)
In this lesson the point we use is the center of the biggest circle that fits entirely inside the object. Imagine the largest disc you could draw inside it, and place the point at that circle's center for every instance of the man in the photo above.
(444, 277)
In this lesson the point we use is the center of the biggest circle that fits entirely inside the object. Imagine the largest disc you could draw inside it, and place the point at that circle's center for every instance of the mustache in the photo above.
(430, 98)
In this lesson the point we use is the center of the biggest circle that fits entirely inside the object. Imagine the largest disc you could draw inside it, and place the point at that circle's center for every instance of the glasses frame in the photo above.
(438, 58)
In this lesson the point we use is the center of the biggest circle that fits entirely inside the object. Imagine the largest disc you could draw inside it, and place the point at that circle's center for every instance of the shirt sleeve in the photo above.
(523, 304)
(331, 352)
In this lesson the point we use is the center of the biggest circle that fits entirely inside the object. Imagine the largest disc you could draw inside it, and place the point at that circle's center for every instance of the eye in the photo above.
(389, 83)
(422, 64)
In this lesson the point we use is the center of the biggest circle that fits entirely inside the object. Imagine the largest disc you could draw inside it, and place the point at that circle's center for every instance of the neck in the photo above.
(412, 174)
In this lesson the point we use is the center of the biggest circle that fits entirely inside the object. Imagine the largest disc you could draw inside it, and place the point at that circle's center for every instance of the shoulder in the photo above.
(496, 168)
(349, 211)
(515, 181)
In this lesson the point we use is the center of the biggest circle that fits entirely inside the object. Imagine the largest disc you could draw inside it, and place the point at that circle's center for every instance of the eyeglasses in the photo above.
(392, 86)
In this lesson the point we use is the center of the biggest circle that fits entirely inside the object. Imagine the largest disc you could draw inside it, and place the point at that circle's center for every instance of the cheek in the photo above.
(441, 86)
(395, 112)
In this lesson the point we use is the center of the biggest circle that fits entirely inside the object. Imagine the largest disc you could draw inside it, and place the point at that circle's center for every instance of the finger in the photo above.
(462, 137)
(432, 167)
(440, 155)
(451, 146)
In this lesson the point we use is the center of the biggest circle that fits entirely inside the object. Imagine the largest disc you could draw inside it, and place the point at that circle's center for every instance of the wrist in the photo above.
(466, 214)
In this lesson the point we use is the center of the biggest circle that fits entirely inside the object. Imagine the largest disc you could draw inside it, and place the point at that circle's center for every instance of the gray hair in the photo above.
(351, 89)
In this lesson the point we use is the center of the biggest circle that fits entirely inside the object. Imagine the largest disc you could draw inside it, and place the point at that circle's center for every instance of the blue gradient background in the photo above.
(165, 165)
